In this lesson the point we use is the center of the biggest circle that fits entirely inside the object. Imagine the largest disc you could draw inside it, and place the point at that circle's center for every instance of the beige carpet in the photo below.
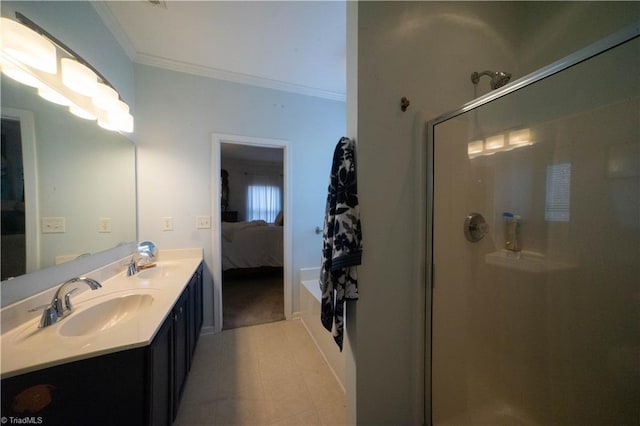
(252, 296)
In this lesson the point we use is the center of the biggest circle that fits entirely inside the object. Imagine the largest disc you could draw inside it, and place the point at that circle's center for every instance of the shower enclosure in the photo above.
(534, 247)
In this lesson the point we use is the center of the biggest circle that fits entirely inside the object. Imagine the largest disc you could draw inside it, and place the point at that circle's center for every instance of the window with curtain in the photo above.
(264, 198)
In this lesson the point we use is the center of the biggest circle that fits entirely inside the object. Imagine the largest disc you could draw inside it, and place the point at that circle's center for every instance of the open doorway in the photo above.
(251, 240)
(251, 204)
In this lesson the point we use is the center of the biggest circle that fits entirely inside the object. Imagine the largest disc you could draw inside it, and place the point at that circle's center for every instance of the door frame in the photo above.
(216, 140)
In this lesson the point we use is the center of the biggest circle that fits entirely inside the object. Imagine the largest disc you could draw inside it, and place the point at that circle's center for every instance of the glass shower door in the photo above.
(536, 252)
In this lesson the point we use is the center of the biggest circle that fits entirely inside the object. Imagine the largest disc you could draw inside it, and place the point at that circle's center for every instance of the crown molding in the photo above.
(115, 28)
(173, 65)
(155, 61)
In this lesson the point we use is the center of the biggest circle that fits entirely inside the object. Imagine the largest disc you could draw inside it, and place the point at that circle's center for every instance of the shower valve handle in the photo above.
(475, 227)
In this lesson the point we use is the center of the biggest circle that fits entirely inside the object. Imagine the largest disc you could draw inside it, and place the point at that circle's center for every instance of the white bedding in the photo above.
(251, 245)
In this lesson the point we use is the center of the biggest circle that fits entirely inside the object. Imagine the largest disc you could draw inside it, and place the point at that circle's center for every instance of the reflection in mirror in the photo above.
(83, 197)
(147, 249)
(13, 203)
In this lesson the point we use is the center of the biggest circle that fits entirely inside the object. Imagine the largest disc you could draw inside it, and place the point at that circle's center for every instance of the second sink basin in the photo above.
(161, 270)
(104, 315)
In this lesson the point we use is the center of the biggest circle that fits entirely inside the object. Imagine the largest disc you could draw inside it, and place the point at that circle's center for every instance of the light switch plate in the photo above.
(203, 222)
(54, 225)
(104, 225)
(167, 223)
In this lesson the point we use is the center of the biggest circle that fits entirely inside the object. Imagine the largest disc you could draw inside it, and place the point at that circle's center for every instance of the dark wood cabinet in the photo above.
(140, 386)
(195, 310)
(181, 352)
(161, 380)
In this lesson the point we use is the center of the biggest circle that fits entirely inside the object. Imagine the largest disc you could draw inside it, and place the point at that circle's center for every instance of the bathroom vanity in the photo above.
(122, 357)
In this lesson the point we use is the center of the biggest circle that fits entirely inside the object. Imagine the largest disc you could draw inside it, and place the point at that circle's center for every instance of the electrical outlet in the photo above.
(203, 222)
(53, 225)
(104, 225)
(167, 223)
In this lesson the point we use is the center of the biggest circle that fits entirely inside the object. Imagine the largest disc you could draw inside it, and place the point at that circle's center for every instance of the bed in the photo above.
(251, 245)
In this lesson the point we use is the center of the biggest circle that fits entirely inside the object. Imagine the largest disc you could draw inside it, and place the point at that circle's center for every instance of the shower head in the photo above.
(498, 78)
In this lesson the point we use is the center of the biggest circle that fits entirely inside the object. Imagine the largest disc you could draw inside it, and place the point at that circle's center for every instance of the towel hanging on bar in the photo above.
(341, 240)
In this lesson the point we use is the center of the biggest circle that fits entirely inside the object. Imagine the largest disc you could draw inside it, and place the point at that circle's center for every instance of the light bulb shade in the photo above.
(475, 147)
(18, 74)
(520, 137)
(494, 142)
(119, 118)
(78, 77)
(27, 46)
(107, 123)
(51, 95)
(125, 123)
(82, 113)
(104, 97)
(121, 108)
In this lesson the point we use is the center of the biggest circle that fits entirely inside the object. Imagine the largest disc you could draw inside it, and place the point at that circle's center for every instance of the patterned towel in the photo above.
(341, 240)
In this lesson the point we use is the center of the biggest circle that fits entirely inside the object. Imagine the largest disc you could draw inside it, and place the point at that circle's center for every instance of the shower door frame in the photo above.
(595, 49)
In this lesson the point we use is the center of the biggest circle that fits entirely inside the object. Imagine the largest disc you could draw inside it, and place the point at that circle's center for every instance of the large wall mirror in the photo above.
(68, 186)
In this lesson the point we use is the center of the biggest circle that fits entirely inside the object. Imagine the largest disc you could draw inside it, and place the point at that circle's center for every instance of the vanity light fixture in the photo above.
(78, 77)
(79, 112)
(27, 46)
(520, 137)
(104, 96)
(117, 118)
(51, 95)
(475, 147)
(18, 74)
(121, 117)
(28, 54)
(496, 143)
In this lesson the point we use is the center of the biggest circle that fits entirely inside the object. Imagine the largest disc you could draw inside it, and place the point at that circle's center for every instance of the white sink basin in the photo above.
(105, 315)
(161, 270)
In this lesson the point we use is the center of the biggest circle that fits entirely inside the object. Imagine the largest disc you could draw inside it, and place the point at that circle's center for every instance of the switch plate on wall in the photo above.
(167, 223)
(53, 225)
(104, 225)
(203, 222)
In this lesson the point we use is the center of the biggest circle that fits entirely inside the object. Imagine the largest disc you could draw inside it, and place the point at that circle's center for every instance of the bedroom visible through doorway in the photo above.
(252, 188)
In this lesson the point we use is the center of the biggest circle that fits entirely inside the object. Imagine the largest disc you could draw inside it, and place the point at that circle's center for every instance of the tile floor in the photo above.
(269, 374)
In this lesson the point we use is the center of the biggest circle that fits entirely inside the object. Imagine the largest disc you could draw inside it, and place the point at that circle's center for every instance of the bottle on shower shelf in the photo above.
(511, 231)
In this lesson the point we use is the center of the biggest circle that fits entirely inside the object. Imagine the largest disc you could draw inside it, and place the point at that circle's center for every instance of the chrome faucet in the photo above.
(136, 262)
(57, 309)
(145, 256)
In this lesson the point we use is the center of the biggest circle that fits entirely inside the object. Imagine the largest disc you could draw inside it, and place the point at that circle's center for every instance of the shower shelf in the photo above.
(527, 261)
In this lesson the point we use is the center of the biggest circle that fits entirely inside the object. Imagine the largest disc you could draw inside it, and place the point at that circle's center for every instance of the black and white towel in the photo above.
(341, 240)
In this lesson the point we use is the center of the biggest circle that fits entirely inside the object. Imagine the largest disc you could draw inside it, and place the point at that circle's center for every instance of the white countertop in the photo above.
(28, 348)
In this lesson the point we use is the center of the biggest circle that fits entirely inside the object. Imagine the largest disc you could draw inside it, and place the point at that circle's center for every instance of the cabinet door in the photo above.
(198, 303)
(180, 347)
(195, 310)
(160, 385)
(192, 317)
(105, 390)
